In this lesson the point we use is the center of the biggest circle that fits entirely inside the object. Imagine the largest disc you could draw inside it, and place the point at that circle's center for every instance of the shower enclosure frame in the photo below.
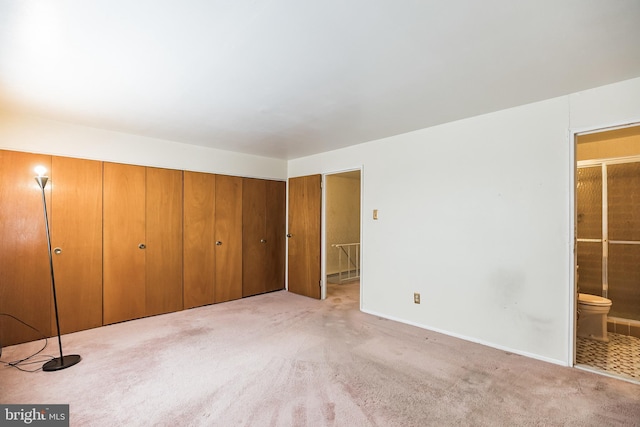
(604, 240)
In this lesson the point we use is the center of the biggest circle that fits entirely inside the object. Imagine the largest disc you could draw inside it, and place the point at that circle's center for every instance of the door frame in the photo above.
(573, 221)
(323, 228)
(323, 242)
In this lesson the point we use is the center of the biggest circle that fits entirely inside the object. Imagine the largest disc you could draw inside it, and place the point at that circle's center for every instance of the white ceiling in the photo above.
(289, 78)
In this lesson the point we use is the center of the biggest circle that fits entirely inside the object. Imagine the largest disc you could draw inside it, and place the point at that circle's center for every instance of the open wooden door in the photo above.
(305, 202)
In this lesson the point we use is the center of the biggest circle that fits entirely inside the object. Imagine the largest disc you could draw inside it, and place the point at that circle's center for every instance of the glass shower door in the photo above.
(589, 230)
(623, 266)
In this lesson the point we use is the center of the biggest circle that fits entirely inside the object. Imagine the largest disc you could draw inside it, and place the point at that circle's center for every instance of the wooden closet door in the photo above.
(76, 230)
(25, 280)
(275, 232)
(124, 231)
(199, 238)
(164, 241)
(305, 203)
(228, 231)
(254, 237)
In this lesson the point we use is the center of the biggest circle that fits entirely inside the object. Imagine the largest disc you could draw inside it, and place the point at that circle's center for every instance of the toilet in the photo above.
(592, 317)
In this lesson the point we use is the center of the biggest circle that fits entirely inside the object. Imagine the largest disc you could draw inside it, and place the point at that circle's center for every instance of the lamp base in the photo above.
(58, 363)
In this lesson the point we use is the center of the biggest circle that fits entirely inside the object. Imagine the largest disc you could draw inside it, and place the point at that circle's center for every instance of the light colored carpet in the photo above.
(285, 360)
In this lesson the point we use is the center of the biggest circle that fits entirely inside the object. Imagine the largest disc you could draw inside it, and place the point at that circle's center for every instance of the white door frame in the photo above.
(573, 221)
(323, 239)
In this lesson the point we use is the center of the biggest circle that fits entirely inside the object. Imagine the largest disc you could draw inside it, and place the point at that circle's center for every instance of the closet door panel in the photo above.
(305, 207)
(25, 280)
(254, 238)
(228, 230)
(164, 241)
(276, 235)
(76, 229)
(124, 230)
(199, 238)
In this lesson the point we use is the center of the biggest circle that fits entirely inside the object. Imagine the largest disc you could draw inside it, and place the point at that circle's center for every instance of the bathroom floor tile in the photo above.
(620, 356)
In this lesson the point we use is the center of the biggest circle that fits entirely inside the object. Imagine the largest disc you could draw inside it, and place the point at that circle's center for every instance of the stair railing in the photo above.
(348, 261)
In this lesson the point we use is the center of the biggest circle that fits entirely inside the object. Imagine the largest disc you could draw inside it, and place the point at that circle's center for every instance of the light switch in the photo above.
(375, 214)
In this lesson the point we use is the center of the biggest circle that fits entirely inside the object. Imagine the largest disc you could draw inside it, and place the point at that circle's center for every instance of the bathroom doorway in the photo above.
(342, 235)
(608, 248)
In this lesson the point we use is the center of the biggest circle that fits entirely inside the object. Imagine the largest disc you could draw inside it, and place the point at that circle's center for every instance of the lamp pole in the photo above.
(61, 362)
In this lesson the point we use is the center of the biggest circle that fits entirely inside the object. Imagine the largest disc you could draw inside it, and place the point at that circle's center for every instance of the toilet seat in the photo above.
(595, 300)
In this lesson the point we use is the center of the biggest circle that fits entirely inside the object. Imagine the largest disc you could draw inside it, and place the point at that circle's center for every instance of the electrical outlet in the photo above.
(416, 298)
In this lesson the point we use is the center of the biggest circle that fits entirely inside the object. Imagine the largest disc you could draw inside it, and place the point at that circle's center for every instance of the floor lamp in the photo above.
(61, 362)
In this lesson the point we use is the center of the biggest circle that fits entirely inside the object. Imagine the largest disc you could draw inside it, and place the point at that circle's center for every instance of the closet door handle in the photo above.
(263, 241)
(289, 235)
(218, 243)
(57, 251)
(142, 246)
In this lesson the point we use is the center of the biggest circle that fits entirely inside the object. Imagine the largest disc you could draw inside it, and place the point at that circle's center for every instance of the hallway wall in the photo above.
(477, 216)
(342, 216)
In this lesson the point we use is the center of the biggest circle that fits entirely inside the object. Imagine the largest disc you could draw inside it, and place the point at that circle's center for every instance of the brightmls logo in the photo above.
(37, 415)
(27, 416)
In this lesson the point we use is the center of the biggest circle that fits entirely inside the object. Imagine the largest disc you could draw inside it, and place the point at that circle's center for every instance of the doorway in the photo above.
(342, 234)
(608, 247)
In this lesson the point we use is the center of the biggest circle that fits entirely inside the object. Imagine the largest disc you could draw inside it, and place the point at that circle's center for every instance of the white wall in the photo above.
(24, 133)
(476, 215)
